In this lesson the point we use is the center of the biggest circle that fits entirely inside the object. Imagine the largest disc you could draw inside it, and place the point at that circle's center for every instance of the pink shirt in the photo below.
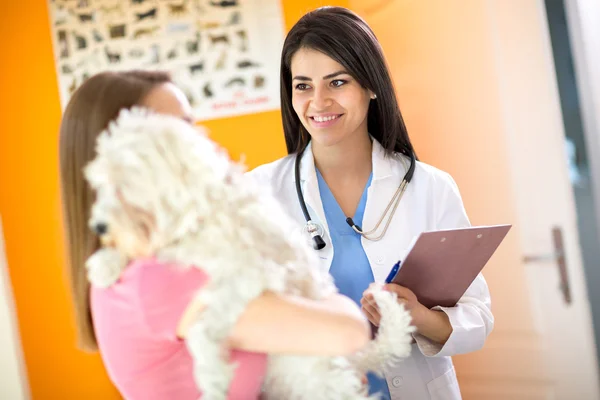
(135, 322)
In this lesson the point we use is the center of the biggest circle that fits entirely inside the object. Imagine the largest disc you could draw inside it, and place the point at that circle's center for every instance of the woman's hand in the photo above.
(434, 325)
(405, 296)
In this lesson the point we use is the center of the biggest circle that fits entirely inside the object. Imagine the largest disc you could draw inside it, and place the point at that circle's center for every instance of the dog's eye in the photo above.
(101, 228)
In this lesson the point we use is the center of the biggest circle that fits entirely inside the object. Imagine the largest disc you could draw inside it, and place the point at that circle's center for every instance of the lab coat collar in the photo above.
(382, 167)
(307, 165)
(382, 164)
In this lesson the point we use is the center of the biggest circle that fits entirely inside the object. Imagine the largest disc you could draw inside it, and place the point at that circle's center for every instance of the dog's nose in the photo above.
(100, 228)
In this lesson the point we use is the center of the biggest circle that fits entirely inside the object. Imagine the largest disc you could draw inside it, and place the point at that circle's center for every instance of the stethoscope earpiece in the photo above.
(318, 242)
(352, 225)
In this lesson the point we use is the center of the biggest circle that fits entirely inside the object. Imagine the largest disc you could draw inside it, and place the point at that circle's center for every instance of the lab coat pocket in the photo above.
(382, 262)
(445, 387)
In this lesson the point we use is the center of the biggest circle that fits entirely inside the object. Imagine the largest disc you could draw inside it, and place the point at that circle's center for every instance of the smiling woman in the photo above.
(320, 67)
(351, 157)
(332, 105)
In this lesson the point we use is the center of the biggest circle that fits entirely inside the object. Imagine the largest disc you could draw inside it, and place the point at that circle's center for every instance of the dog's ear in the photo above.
(139, 225)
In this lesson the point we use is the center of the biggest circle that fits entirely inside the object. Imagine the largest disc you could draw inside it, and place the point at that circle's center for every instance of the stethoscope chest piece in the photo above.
(315, 232)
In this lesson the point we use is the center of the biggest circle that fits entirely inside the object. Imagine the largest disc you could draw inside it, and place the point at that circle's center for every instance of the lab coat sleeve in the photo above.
(257, 177)
(471, 318)
(261, 180)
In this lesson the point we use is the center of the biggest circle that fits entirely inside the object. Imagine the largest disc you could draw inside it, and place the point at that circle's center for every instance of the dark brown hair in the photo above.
(345, 37)
(90, 110)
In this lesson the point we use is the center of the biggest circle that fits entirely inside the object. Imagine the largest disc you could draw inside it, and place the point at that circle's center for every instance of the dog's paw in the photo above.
(104, 267)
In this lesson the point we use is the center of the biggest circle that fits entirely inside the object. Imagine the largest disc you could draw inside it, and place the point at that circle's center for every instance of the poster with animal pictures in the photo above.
(224, 54)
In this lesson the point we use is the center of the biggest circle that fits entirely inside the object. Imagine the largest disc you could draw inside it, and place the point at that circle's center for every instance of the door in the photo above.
(575, 32)
(478, 91)
(566, 32)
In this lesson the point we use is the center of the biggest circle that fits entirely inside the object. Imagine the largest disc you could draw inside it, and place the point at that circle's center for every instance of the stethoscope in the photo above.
(316, 231)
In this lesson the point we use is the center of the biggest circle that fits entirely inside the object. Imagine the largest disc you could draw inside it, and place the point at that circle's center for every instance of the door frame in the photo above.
(583, 27)
(583, 20)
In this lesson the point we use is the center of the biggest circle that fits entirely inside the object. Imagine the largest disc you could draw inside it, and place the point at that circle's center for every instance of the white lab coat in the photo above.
(431, 202)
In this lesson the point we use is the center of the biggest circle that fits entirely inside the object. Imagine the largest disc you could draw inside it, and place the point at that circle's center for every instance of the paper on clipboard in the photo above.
(441, 265)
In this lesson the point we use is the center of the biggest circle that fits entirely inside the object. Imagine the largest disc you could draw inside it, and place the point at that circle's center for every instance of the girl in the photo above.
(138, 323)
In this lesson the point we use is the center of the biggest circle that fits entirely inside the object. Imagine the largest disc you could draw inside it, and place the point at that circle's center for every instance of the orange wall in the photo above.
(29, 203)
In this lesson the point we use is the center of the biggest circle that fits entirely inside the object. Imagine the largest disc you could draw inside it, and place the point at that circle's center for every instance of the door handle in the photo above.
(561, 262)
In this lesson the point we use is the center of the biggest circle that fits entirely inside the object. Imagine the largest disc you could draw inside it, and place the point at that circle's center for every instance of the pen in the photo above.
(393, 272)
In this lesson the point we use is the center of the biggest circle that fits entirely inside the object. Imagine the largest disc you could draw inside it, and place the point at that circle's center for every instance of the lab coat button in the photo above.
(380, 260)
(397, 381)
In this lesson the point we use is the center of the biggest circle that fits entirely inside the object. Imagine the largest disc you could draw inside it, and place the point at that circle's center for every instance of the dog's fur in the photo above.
(168, 191)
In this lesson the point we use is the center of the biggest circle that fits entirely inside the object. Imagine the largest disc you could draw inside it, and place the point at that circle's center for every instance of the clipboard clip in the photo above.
(559, 258)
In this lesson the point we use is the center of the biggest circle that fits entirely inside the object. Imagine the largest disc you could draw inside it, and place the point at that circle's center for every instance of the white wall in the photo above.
(13, 380)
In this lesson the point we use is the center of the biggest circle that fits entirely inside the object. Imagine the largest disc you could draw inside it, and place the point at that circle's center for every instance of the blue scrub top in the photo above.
(350, 266)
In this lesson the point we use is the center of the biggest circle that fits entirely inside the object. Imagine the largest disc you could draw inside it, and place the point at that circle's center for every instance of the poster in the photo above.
(224, 54)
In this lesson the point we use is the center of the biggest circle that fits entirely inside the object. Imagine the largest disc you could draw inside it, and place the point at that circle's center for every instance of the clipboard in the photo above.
(441, 265)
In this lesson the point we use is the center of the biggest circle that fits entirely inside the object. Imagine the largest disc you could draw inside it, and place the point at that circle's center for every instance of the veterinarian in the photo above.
(138, 322)
(353, 184)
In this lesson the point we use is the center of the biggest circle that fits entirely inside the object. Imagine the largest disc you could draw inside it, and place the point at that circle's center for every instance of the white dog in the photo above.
(171, 192)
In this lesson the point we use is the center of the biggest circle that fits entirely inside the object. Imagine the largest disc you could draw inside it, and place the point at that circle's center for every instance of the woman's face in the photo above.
(165, 99)
(329, 102)
(170, 100)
